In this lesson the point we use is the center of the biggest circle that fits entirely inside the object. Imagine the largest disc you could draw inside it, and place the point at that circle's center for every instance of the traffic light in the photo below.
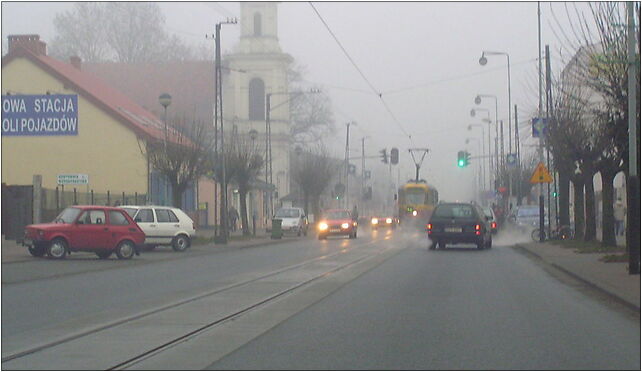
(384, 155)
(554, 194)
(394, 155)
(461, 159)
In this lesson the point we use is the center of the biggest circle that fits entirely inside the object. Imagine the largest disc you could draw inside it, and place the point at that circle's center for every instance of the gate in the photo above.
(17, 210)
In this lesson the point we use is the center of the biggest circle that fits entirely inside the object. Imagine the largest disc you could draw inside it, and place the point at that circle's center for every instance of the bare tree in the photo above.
(245, 164)
(312, 171)
(81, 32)
(117, 31)
(311, 114)
(181, 154)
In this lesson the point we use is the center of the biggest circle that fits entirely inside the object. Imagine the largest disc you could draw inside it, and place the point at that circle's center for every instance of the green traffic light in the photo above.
(461, 163)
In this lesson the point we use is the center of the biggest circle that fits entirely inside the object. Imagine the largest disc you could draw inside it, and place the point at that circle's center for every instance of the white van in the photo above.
(293, 220)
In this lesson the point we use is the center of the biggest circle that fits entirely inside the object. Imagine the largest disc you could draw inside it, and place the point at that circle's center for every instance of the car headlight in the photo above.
(414, 213)
(388, 220)
(345, 225)
(323, 226)
(375, 221)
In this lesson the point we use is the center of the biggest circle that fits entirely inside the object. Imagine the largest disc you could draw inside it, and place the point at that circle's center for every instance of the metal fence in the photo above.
(55, 200)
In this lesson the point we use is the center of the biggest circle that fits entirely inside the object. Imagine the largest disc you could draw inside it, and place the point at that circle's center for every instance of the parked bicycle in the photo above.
(563, 232)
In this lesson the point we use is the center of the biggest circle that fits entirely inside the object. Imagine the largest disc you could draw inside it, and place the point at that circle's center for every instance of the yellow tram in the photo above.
(416, 201)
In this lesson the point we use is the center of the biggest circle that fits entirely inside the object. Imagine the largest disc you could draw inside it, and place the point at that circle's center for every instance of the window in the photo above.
(257, 24)
(454, 211)
(145, 215)
(287, 213)
(93, 217)
(256, 99)
(166, 215)
(117, 218)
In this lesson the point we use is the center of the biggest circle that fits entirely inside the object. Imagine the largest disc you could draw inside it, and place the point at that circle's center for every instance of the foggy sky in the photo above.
(435, 46)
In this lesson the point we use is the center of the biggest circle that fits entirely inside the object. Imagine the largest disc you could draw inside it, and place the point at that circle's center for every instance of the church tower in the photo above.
(256, 68)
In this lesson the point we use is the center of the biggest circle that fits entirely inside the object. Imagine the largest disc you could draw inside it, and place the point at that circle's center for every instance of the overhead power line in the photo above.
(374, 90)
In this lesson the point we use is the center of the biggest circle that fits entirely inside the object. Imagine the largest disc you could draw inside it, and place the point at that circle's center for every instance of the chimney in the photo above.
(75, 61)
(30, 42)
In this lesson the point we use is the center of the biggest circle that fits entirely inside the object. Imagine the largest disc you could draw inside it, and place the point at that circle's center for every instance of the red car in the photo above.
(337, 222)
(91, 228)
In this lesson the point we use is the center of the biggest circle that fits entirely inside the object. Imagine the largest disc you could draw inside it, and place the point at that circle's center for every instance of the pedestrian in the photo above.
(355, 213)
(233, 216)
(619, 212)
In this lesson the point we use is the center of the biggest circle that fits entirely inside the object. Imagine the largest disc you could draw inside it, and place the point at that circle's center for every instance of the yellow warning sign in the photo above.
(541, 175)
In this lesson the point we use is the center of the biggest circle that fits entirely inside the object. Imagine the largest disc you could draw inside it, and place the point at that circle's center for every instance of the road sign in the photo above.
(73, 179)
(511, 160)
(541, 175)
(540, 127)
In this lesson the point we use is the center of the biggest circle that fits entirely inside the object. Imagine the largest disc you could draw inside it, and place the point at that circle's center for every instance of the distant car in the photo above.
(99, 229)
(526, 217)
(293, 220)
(337, 222)
(457, 223)
(163, 225)
(383, 222)
(488, 211)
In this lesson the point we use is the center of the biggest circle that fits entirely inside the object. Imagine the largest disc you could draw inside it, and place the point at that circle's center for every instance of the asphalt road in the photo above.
(454, 309)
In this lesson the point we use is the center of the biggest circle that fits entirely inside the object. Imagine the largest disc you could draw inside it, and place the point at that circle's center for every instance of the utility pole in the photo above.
(363, 165)
(540, 113)
(219, 109)
(347, 163)
(549, 101)
(268, 154)
(519, 161)
(633, 185)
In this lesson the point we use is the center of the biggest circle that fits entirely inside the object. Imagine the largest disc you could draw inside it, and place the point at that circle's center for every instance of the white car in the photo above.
(163, 225)
(293, 220)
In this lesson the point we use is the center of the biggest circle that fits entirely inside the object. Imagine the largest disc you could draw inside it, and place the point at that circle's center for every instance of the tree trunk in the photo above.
(223, 212)
(306, 202)
(589, 197)
(578, 207)
(564, 196)
(608, 220)
(177, 194)
(244, 221)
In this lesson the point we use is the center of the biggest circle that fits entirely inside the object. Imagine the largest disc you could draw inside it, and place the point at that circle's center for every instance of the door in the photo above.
(168, 224)
(145, 219)
(91, 232)
(120, 227)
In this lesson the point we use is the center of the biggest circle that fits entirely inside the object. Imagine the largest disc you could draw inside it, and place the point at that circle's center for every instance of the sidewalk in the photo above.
(611, 278)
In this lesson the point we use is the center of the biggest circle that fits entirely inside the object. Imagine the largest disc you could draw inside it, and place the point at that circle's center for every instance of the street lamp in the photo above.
(482, 62)
(468, 139)
(470, 127)
(268, 134)
(478, 100)
(165, 100)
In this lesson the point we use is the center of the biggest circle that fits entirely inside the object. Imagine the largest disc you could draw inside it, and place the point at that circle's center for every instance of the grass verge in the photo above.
(594, 246)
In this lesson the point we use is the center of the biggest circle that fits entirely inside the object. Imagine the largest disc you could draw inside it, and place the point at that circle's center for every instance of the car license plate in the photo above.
(27, 242)
(335, 230)
(453, 229)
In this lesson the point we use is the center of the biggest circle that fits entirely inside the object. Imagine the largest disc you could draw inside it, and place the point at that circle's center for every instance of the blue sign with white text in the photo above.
(40, 115)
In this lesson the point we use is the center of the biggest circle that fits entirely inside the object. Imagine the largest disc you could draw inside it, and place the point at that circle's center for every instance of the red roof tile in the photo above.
(115, 103)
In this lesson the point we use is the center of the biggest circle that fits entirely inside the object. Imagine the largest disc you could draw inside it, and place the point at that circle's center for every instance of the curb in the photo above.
(588, 282)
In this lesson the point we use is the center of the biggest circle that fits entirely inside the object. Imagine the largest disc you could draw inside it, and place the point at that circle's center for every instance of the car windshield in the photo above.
(338, 215)
(287, 213)
(454, 211)
(130, 211)
(68, 215)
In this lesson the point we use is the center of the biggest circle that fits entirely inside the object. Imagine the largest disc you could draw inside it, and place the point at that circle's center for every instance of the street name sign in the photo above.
(73, 179)
(541, 175)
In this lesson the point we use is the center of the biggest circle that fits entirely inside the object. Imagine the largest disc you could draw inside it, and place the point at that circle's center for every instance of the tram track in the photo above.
(130, 360)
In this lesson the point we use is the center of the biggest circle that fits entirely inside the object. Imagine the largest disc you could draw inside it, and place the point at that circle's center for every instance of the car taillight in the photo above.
(493, 225)
(429, 228)
(477, 229)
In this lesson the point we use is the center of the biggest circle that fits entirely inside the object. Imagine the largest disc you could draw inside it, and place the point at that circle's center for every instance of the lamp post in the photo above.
(478, 100)
(268, 135)
(468, 139)
(165, 100)
(482, 61)
(473, 111)
(470, 127)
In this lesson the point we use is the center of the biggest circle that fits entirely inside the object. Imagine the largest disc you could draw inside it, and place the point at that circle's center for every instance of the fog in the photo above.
(421, 59)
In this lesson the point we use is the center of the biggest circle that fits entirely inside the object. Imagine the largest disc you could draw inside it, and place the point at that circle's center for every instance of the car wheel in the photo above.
(305, 232)
(103, 254)
(432, 246)
(298, 233)
(57, 249)
(322, 237)
(490, 243)
(125, 250)
(481, 244)
(441, 245)
(37, 250)
(180, 243)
